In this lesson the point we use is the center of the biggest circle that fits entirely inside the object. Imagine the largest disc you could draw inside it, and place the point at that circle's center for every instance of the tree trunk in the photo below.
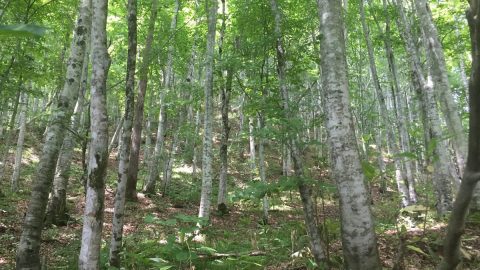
(439, 73)
(57, 205)
(124, 151)
(442, 178)
(456, 226)
(226, 88)
(28, 256)
(131, 192)
(89, 257)
(114, 141)
(308, 209)
(358, 233)
(262, 167)
(384, 114)
(205, 199)
(20, 140)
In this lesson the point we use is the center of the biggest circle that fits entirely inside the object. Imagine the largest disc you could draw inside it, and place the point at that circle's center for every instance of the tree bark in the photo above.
(442, 178)
(89, 257)
(20, 140)
(124, 151)
(358, 234)
(131, 192)
(456, 225)
(384, 114)
(439, 73)
(205, 199)
(57, 205)
(28, 256)
(308, 209)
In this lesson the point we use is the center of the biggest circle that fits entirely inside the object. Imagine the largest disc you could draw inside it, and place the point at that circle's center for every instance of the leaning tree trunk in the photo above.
(131, 192)
(304, 189)
(456, 226)
(442, 178)
(117, 222)
(439, 73)
(28, 256)
(57, 205)
(358, 233)
(384, 113)
(158, 152)
(89, 257)
(20, 140)
(401, 112)
(205, 198)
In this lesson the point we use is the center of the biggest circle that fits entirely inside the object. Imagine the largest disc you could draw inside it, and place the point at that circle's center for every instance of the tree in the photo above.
(117, 222)
(89, 257)
(358, 235)
(471, 175)
(131, 192)
(304, 189)
(28, 256)
(205, 199)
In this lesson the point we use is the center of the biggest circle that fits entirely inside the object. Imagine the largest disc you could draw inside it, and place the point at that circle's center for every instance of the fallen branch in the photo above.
(215, 255)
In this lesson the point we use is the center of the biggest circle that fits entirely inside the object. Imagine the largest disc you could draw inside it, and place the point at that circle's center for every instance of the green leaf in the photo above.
(22, 30)
(207, 250)
(182, 256)
(416, 249)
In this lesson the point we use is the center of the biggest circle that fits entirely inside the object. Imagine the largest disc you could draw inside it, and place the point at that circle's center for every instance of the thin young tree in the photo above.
(207, 155)
(131, 192)
(117, 222)
(358, 234)
(89, 257)
(471, 176)
(305, 190)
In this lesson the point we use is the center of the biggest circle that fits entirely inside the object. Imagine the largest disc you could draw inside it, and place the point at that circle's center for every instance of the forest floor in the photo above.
(158, 230)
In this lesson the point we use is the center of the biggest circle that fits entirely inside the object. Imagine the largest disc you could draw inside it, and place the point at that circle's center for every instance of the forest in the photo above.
(239, 134)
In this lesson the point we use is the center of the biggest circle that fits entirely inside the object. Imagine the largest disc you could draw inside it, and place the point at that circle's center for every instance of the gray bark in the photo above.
(205, 199)
(442, 178)
(358, 235)
(125, 144)
(131, 193)
(89, 257)
(384, 113)
(305, 194)
(21, 137)
(28, 256)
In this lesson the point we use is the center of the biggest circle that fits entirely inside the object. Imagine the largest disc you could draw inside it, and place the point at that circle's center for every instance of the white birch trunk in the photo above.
(28, 256)
(205, 199)
(21, 137)
(89, 257)
(358, 233)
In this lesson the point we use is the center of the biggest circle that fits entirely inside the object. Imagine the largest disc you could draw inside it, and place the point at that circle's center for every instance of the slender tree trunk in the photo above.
(401, 111)
(119, 211)
(308, 209)
(251, 143)
(442, 178)
(358, 235)
(114, 141)
(131, 193)
(28, 256)
(89, 257)
(439, 73)
(384, 113)
(9, 136)
(456, 226)
(205, 199)
(262, 167)
(225, 96)
(57, 205)
(20, 140)
(157, 157)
